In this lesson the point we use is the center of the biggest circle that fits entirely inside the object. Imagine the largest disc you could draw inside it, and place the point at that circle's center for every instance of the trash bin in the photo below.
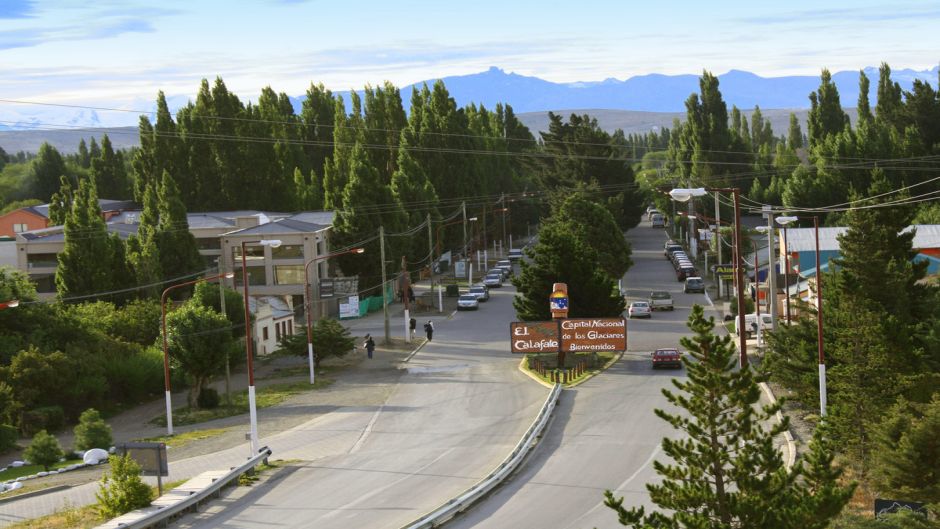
(452, 291)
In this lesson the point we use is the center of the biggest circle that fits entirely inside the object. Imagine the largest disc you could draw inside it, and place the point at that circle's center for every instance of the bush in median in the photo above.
(121, 489)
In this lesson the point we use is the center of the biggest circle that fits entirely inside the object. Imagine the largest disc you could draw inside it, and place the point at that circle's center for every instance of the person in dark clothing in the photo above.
(411, 295)
(413, 324)
(429, 329)
(369, 345)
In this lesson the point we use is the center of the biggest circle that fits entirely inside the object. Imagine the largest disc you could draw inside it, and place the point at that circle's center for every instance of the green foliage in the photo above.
(43, 450)
(198, 340)
(207, 295)
(45, 171)
(208, 399)
(907, 440)
(178, 253)
(91, 431)
(560, 257)
(899, 520)
(41, 419)
(725, 469)
(121, 490)
(593, 225)
(19, 204)
(330, 339)
(15, 284)
(8, 437)
(84, 267)
(107, 170)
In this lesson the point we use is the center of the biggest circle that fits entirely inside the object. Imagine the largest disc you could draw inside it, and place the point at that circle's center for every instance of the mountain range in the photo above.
(631, 100)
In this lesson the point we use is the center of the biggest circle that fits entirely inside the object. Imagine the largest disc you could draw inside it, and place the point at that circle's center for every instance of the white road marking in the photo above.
(367, 431)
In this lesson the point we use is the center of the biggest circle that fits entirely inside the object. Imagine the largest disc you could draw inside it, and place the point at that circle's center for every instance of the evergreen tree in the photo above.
(908, 440)
(561, 257)
(725, 470)
(864, 108)
(890, 105)
(85, 261)
(109, 173)
(317, 114)
(308, 192)
(91, 431)
(412, 189)
(45, 172)
(61, 202)
(826, 116)
(794, 134)
(178, 253)
(44, 450)
(143, 255)
(594, 226)
(84, 159)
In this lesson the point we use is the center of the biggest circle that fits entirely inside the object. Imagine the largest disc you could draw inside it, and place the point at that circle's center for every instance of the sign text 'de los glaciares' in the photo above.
(585, 334)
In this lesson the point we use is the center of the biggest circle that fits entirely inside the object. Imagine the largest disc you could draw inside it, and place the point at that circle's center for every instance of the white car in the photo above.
(515, 254)
(468, 302)
(640, 309)
(493, 280)
(505, 264)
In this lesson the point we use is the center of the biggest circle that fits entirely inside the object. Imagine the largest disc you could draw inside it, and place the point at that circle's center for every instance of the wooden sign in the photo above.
(534, 336)
(594, 334)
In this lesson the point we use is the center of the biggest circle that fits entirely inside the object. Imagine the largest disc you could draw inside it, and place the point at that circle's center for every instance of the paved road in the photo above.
(457, 412)
(604, 434)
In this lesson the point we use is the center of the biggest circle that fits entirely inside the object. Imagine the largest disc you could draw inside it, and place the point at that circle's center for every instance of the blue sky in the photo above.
(120, 52)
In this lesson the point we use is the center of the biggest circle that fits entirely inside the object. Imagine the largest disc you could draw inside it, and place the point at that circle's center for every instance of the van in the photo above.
(750, 321)
(657, 221)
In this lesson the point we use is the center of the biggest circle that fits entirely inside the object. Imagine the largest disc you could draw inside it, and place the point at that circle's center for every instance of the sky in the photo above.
(119, 53)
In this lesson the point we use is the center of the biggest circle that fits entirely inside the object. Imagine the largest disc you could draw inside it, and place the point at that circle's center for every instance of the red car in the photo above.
(668, 357)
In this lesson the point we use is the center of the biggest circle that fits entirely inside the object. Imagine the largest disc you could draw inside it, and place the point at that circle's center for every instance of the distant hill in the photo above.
(65, 140)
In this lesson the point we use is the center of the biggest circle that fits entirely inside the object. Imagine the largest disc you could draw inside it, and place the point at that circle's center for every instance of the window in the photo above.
(256, 276)
(289, 274)
(20, 228)
(252, 252)
(288, 251)
(42, 260)
(211, 243)
(277, 332)
(264, 332)
(290, 327)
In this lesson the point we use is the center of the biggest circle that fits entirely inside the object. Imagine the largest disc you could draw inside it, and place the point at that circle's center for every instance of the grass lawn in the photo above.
(28, 470)
(184, 438)
(264, 397)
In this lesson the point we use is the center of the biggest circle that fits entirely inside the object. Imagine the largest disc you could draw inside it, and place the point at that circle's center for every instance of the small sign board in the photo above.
(150, 456)
(533, 337)
(594, 334)
(883, 507)
(326, 288)
(350, 309)
(460, 269)
(724, 271)
(558, 301)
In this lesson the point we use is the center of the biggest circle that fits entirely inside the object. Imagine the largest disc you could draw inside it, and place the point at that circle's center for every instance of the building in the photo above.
(37, 217)
(219, 235)
(274, 319)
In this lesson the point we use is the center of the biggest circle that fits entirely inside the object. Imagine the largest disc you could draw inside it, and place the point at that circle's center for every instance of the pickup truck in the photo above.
(660, 300)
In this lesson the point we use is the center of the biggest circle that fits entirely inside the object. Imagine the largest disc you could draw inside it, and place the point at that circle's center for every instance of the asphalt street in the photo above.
(455, 414)
(604, 434)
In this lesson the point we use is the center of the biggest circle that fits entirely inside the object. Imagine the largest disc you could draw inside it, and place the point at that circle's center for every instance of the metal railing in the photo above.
(159, 514)
(456, 505)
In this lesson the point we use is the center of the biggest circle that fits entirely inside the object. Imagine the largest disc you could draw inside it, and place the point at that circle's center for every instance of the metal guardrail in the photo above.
(456, 505)
(158, 514)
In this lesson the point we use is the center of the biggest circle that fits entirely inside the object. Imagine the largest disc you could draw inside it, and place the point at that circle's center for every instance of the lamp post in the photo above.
(12, 304)
(308, 305)
(252, 409)
(166, 355)
(683, 195)
(819, 313)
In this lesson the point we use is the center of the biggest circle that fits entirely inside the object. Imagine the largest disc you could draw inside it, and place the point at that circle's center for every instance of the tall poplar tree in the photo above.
(45, 172)
(109, 172)
(85, 261)
(178, 253)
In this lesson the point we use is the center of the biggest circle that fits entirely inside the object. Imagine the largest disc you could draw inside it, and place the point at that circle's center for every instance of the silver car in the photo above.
(468, 302)
(493, 280)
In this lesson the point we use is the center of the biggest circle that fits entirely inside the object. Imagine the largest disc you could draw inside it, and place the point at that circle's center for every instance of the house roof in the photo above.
(104, 203)
(57, 233)
(804, 239)
(280, 227)
(279, 307)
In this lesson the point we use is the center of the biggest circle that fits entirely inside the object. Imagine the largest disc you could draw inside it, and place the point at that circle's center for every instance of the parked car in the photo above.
(468, 302)
(685, 271)
(515, 254)
(505, 264)
(694, 284)
(650, 212)
(657, 221)
(481, 292)
(670, 248)
(668, 357)
(750, 322)
(493, 280)
(660, 300)
(678, 256)
(501, 271)
(639, 309)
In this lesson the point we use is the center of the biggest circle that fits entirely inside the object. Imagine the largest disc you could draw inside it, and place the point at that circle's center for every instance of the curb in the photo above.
(596, 371)
(791, 445)
(34, 493)
(531, 375)
(422, 344)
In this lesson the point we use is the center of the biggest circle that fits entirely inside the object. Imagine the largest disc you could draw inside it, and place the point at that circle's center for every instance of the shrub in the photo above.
(44, 450)
(121, 490)
(135, 377)
(8, 437)
(208, 399)
(44, 418)
(92, 431)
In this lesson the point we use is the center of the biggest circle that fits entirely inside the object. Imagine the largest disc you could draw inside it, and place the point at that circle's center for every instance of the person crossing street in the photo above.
(429, 330)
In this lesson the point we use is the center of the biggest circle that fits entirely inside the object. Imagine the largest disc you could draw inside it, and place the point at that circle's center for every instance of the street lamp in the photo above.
(784, 221)
(308, 305)
(12, 304)
(684, 195)
(166, 356)
(252, 409)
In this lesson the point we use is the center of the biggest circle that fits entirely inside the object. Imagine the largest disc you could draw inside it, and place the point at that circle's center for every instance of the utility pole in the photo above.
(486, 263)
(772, 275)
(502, 203)
(388, 331)
(228, 372)
(431, 254)
(718, 239)
(466, 249)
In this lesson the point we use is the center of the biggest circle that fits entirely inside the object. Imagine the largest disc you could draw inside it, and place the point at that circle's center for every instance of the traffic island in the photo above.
(578, 367)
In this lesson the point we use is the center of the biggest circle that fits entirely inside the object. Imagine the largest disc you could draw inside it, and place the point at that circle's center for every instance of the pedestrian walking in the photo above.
(429, 329)
(369, 345)
(411, 295)
(413, 324)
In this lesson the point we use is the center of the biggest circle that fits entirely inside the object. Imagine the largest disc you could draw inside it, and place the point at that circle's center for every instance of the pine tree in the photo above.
(108, 172)
(308, 192)
(411, 188)
(826, 116)
(725, 470)
(890, 106)
(84, 159)
(45, 172)
(794, 134)
(143, 255)
(61, 202)
(908, 439)
(864, 108)
(178, 253)
(86, 259)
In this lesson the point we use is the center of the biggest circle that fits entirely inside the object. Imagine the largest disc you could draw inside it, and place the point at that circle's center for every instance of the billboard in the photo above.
(579, 334)
(534, 336)
(594, 334)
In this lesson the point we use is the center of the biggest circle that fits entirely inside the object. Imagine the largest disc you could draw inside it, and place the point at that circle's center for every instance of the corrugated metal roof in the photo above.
(280, 226)
(57, 233)
(804, 239)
